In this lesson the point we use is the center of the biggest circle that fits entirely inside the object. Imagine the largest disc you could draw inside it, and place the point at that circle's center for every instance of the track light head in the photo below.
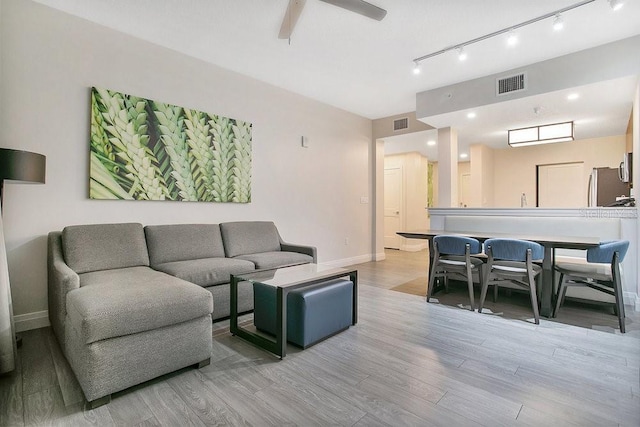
(512, 38)
(416, 68)
(616, 4)
(462, 55)
(558, 23)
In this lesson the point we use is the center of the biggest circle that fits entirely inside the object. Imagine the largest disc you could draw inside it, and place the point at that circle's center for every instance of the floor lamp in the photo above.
(20, 166)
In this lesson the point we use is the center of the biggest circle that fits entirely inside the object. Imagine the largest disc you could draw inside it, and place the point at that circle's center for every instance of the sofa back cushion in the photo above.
(249, 237)
(181, 242)
(104, 247)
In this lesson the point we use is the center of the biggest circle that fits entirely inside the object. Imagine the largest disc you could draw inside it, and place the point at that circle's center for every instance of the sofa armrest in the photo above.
(307, 250)
(61, 280)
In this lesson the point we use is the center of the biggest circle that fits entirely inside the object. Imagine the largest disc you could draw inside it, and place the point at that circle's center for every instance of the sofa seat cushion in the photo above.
(276, 259)
(114, 303)
(208, 271)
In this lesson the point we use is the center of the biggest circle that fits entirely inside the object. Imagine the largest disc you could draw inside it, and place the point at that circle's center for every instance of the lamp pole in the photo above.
(20, 166)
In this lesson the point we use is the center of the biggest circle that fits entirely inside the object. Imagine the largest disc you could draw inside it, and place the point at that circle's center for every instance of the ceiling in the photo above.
(601, 109)
(365, 66)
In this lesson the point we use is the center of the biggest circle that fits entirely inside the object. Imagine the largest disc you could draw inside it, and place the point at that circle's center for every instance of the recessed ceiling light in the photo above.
(416, 68)
(573, 96)
(471, 115)
(464, 155)
(512, 38)
(431, 142)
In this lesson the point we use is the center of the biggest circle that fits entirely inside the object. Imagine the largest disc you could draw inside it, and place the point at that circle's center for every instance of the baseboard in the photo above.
(380, 256)
(28, 321)
(349, 261)
(633, 299)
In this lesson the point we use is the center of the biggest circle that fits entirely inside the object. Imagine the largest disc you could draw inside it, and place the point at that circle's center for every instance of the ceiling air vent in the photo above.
(510, 84)
(400, 124)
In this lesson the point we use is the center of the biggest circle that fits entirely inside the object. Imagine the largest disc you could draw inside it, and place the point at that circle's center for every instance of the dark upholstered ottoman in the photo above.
(314, 312)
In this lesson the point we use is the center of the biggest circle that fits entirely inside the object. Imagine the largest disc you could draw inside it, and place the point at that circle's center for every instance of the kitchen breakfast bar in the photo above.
(564, 233)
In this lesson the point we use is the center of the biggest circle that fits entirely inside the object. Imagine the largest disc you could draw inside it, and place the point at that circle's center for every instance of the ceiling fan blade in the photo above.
(294, 9)
(361, 7)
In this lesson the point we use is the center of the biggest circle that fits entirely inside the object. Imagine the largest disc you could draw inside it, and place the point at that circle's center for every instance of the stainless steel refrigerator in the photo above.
(604, 186)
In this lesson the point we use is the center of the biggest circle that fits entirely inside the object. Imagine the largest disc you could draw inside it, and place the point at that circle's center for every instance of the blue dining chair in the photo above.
(452, 258)
(602, 273)
(511, 263)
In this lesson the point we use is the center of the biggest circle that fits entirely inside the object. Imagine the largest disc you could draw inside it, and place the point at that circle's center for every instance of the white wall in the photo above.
(49, 62)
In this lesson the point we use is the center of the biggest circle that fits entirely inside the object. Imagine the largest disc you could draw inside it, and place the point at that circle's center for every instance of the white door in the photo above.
(562, 186)
(392, 207)
(465, 189)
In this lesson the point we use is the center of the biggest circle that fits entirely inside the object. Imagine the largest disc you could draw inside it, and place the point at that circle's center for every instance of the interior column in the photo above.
(447, 168)
(481, 176)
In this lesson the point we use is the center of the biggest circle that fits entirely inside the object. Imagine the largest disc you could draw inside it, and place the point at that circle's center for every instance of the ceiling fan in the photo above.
(294, 9)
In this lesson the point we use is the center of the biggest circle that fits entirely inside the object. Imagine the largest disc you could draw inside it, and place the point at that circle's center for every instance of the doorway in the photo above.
(392, 207)
(464, 190)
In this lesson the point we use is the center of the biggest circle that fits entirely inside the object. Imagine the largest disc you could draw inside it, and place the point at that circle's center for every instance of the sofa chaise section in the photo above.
(118, 321)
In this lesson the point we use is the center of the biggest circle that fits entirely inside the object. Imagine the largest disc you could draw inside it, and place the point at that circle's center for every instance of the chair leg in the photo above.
(483, 293)
(495, 293)
(617, 288)
(446, 284)
(470, 285)
(432, 280)
(562, 292)
(534, 297)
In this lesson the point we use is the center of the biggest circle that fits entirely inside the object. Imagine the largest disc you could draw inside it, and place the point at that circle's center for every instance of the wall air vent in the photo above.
(400, 124)
(511, 84)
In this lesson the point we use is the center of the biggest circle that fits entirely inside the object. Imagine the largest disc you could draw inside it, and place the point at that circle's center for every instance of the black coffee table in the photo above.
(284, 280)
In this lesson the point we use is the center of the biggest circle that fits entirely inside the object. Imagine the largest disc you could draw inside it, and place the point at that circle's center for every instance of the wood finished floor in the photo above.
(411, 268)
(406, 362)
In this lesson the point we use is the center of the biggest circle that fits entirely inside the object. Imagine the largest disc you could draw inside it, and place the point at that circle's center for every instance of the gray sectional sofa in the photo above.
(129, 303)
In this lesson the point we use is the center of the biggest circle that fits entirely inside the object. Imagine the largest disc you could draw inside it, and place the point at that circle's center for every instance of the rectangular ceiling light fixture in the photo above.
(544, 134)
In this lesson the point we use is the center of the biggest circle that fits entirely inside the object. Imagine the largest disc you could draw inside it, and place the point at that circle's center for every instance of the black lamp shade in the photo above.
(17, 165)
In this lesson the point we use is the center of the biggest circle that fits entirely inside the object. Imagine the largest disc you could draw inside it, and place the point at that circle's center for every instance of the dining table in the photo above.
(550, 244)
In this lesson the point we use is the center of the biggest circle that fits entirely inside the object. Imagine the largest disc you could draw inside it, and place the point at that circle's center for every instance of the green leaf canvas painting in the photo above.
(148, 150)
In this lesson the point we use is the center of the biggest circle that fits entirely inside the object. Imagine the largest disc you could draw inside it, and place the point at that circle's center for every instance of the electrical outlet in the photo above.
(364, 200)
(346, 241)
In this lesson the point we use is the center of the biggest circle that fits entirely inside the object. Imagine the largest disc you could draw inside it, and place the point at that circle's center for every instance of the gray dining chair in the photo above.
(511, 264)
(602, 273)
(452, 258)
